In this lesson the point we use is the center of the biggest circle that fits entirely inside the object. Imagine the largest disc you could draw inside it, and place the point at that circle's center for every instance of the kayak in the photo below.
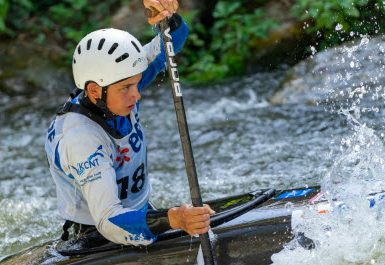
(247, 229)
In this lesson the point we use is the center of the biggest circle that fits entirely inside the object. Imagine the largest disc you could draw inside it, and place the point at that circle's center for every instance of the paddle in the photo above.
(196, 197)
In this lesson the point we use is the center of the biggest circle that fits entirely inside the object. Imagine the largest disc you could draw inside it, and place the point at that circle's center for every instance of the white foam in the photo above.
(224, 108)
(350, 232)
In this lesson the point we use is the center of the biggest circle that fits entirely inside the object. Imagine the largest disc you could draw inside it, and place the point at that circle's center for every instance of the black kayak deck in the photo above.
(250, 237)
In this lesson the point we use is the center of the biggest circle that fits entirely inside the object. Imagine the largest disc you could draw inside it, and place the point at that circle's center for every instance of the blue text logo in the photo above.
(91, 162)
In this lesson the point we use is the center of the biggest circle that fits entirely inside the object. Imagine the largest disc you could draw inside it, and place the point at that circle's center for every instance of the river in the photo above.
(240, 140)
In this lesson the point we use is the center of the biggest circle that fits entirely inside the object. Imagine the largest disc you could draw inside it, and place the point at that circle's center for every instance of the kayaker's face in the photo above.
(122, 96)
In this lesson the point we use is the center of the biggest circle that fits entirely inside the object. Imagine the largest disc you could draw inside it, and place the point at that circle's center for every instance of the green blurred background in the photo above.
(228, 37)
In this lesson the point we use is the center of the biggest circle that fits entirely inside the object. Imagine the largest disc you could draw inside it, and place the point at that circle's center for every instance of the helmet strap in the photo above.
(104, 93)
(101, 103)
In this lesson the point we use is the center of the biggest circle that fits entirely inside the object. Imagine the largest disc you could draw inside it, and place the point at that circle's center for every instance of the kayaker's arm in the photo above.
(155, 52)
(96, 178)
(156, 55)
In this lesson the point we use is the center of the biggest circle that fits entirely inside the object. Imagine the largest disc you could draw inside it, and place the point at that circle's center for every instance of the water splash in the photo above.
(338, 27)
(347, 230)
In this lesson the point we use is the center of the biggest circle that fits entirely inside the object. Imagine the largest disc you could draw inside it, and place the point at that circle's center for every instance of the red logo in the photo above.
(122, 157)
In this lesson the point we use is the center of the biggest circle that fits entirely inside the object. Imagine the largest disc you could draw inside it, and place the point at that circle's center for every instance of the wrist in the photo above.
(157, 221)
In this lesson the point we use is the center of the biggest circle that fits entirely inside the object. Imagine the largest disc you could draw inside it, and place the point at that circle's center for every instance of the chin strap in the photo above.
(102, 104)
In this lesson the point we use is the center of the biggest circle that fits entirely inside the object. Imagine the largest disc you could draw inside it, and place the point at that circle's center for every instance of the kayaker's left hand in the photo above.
(163, 8)
(193, 220)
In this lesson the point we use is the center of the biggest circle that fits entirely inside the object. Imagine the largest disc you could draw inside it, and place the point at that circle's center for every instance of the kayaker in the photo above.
(96, 147)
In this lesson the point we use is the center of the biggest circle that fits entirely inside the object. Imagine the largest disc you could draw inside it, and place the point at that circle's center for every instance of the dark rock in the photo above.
(29, 69)
(286, 44)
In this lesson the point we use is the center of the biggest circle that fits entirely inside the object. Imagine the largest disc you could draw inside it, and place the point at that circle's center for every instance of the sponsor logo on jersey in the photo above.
(136, 137)
(91, 162)
(90, 179)
(122, 156)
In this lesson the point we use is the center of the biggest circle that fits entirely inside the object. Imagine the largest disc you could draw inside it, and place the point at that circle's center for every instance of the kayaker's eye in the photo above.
(125, 89)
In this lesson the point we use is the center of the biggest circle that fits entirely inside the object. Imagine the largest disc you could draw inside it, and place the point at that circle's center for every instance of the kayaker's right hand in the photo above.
(161, 9)
(193, 220)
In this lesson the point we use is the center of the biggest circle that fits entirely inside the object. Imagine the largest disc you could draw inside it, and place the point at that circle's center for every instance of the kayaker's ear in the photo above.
(94, 91)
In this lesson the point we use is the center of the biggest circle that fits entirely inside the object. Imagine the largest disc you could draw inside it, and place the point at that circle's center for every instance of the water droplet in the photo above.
(313, 50)
(339, 27)
(364, 41)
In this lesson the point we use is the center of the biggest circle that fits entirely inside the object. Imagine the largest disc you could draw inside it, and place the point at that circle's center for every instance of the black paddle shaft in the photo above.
(195, 193)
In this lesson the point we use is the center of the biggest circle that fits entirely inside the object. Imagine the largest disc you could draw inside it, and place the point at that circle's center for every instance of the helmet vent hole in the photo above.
(89, 44)
(79, 50)
(121, 58)
(136, 46)
(101, 43)
(113, 48)
(74, 61)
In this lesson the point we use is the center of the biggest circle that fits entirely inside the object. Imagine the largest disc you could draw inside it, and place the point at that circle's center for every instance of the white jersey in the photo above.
(102, 180)
(99, 177)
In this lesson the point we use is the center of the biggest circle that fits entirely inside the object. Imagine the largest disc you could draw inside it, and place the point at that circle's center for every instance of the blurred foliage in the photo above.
(211, 53)
(335, 21)
(68, 21)
(65, 21)
(4, 6)
(232, 35)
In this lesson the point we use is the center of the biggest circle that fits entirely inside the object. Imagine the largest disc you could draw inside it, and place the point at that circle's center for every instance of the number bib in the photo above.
(130, 163)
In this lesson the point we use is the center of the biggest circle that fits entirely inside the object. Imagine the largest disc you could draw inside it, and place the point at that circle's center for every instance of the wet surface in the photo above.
(241, 142)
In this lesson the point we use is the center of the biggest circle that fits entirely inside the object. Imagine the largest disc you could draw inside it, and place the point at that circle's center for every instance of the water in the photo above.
(241, 141)
(351, 231)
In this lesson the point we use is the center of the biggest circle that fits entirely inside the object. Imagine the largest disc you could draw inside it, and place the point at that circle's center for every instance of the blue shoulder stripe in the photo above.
(179, 37)
(57, 157)
(135, 223)
(57, 161)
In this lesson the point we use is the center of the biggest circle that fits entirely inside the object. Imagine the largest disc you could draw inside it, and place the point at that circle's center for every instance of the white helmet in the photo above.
(107, 56)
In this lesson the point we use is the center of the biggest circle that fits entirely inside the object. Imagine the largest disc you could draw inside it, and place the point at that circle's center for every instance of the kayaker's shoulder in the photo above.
(75, 125)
